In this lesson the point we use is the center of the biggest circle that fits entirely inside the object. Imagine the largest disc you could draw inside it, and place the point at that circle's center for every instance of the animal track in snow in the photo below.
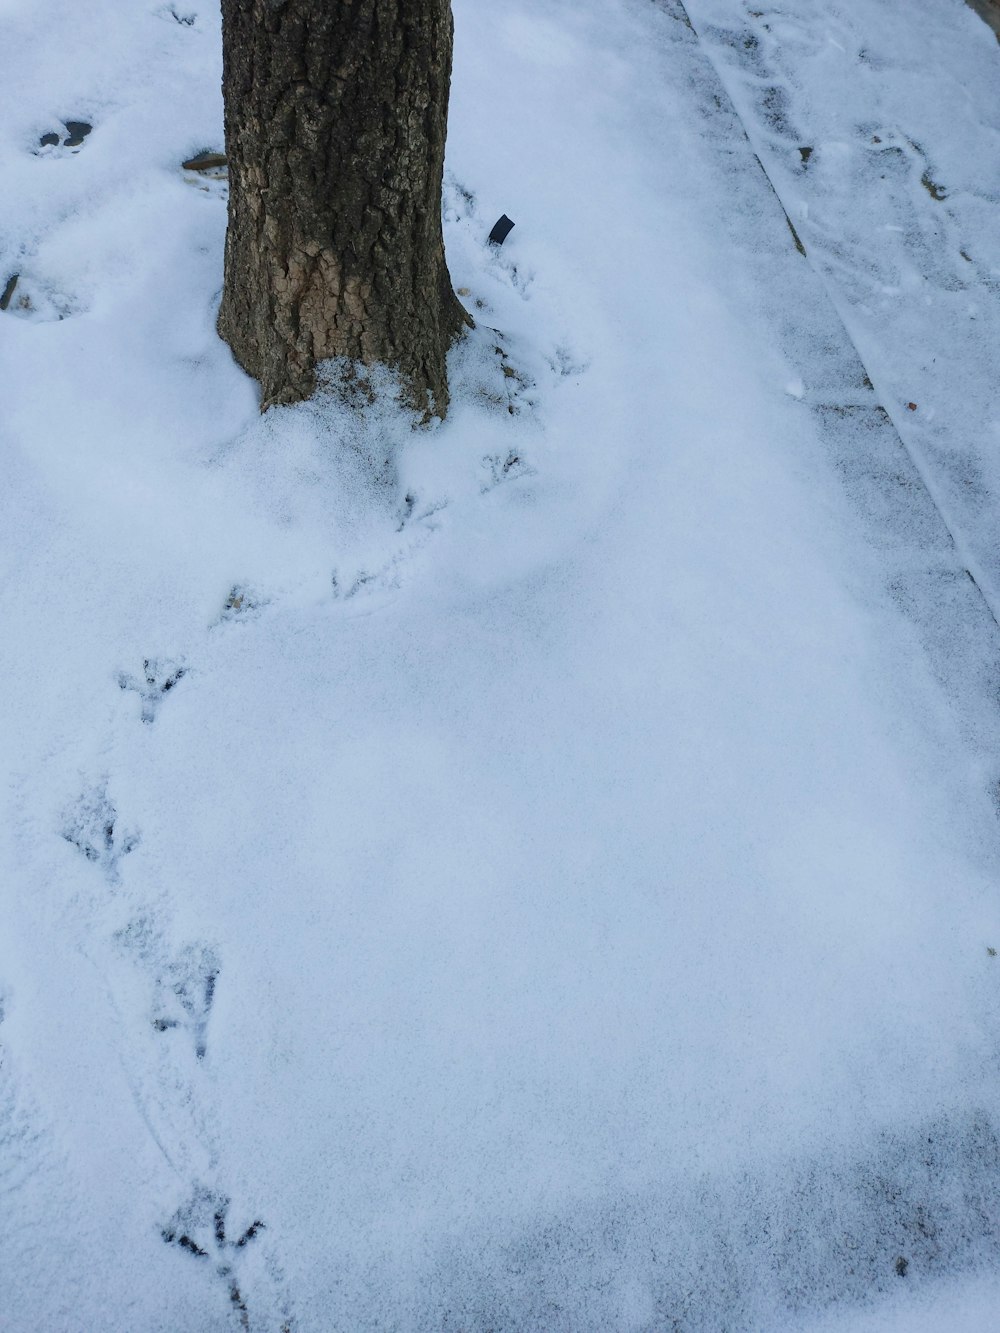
(520, 278)
(565, 363)
(406, 513)
(515, 388)
(459, 201)
(897, 155)
(383, 579)
(185, 993)
(503, 468)
(490, 374)
(418, 521)
(413, 514)
(770, 95)
(200, 1228)
(158, 678)
(184, 981)
(92, 828)
(185, 18)
(241, 604)
(71, 137)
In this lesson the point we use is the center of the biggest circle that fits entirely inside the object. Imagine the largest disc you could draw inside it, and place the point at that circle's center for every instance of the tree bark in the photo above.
(336, 113)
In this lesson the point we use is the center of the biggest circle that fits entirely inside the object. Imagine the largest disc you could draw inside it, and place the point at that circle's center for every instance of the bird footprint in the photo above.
(92, 828)
(158, 678)
(201, 1228)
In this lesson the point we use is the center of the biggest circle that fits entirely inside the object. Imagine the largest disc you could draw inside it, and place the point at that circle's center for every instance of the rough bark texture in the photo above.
(336, 112)
(989, 12)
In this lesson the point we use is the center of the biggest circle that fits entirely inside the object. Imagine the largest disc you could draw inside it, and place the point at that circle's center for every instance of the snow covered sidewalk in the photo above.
(879, 127)
(538, 873)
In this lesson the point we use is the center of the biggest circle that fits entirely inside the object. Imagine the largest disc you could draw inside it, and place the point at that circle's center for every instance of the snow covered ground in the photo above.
(539, 872)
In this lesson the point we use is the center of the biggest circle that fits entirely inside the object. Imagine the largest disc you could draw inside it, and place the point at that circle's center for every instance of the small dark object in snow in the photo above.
(991, 951)
(8, 291)
(933, 189)
(912, 407)
(902, 1265)
(805, 154)
(205, 161)
(78, 131)
(501, 230)
(186, 1243)
(49, 140)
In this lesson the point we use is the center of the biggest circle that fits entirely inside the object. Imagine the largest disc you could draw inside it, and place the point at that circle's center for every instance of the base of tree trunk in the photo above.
(336, 112)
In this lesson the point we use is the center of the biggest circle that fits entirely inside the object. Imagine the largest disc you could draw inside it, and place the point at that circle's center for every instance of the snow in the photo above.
(537, 872)
(915, 137)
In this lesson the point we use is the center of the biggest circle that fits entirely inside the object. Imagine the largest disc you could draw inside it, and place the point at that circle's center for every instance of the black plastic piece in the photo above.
(8, 290)
(501, 230)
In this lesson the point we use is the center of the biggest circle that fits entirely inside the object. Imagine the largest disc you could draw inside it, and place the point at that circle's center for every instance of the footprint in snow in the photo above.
(519, 277)
(159, 677)
(201, 1228)
(488, 372)
(566, 363)
(501, 468)
(185, 993)
(242, 604)
(901, 156)
(754, 51)
(92, 827)
(184, 980)
(412, 512)
(418, 520)
(459, 202)
(186, 18)
(65, 141)
(384, 579)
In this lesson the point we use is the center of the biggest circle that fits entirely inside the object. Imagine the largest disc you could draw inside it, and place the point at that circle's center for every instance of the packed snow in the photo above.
(538, 872)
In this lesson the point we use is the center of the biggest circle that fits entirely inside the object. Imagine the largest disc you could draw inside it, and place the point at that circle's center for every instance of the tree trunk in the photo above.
(336, 112)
